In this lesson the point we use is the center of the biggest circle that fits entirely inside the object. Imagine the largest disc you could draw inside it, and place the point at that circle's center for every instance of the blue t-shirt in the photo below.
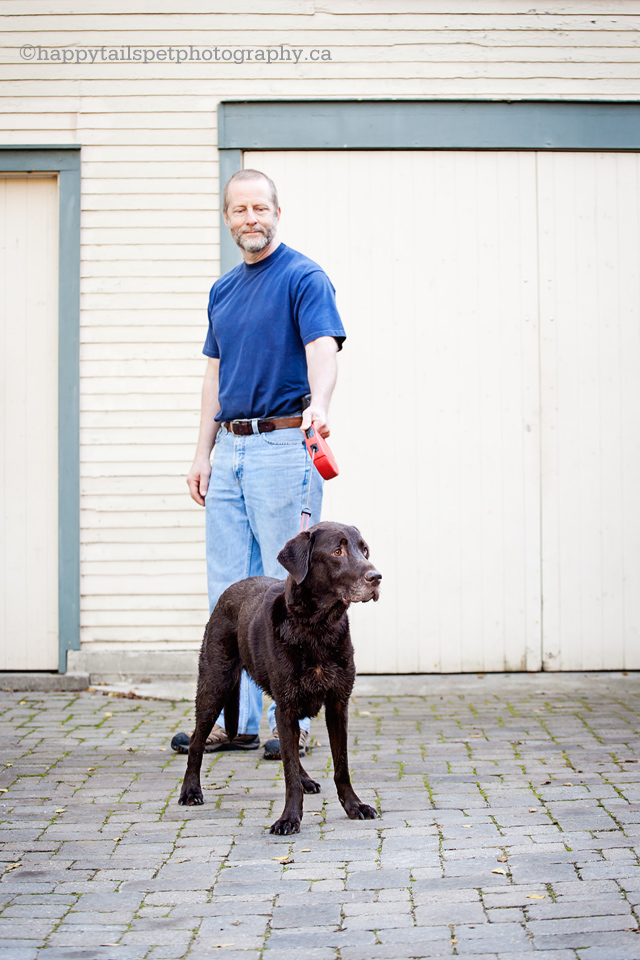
(261, 317)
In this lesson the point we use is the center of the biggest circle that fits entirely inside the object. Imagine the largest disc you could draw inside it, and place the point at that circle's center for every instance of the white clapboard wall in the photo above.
(29, 423)
(450, 269)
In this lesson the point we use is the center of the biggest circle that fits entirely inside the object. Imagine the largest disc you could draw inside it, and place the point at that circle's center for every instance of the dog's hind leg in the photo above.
(336, 717)
(211, 697)
(308, 785)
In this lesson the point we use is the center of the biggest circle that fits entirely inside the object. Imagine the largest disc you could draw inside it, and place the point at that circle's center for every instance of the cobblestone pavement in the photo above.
(510, 820)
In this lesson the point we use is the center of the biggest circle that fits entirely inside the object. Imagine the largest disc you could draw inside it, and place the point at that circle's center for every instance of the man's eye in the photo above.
(338, 552)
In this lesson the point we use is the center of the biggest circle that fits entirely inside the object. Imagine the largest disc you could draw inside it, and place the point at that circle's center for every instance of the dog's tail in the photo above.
(232, 709)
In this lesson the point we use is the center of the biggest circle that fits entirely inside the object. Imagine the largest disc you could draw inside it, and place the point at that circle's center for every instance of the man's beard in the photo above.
(254, 244)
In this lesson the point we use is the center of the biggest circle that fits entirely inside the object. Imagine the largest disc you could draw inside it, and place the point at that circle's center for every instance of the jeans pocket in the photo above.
(288, 437)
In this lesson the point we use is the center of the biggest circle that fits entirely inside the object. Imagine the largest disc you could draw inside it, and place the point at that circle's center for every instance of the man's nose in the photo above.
(251, 217)
(372, 576)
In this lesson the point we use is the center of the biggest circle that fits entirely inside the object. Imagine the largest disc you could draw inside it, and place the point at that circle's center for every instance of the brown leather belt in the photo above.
(244, 428)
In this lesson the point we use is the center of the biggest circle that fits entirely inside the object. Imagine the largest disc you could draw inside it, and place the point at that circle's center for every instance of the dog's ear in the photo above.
(296, 554)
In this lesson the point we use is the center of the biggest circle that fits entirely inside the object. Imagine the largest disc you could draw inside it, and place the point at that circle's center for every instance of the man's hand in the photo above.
(314, 415)
(198, 479)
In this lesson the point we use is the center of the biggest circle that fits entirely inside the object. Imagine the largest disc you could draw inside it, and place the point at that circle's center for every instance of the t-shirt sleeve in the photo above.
(211, 348)
(316, 311)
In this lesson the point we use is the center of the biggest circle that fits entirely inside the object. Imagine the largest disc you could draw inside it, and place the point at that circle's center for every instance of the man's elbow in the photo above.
(323, 346)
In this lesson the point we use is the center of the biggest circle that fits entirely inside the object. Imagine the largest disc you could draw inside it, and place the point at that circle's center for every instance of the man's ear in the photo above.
(296, 554)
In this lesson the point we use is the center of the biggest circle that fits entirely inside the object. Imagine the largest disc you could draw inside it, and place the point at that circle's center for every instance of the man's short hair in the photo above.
(249, 175)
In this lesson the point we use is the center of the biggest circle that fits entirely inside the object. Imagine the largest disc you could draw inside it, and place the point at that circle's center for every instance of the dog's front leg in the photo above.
(289, 732)
(208, 705)
(336, 717)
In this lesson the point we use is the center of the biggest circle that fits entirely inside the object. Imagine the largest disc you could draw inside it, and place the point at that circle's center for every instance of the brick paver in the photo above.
(509, 828)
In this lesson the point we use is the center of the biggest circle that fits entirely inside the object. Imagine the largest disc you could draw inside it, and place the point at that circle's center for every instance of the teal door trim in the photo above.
(64, 161)
(417, 125)
(428, 125)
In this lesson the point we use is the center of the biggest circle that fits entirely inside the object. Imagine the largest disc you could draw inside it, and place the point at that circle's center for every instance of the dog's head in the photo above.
(332, 560)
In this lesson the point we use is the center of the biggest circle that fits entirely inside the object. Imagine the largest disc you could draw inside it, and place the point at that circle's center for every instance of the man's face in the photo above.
(251, 215)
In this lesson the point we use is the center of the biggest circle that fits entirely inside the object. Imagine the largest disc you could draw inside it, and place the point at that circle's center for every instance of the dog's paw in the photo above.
(286, 825)
(360, 811)
(191, 796)
(309, 785)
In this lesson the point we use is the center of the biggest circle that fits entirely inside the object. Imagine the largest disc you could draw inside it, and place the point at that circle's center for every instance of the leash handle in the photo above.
(321, 455)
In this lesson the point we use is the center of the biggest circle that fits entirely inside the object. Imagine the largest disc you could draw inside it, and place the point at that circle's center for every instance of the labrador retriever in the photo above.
(292, 637)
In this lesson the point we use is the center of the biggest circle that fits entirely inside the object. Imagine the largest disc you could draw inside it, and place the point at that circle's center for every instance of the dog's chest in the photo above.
(319, 678)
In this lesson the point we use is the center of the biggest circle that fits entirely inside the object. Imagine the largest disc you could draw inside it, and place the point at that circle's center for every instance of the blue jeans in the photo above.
(258, 487)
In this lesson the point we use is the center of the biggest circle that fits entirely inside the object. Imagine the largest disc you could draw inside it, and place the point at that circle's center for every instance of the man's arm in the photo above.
(322, 370)
(198, 478)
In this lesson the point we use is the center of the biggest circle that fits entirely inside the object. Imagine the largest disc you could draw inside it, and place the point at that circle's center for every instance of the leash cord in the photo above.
(306, 513)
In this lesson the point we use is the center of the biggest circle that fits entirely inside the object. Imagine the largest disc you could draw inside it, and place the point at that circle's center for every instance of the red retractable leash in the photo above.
(324, 462)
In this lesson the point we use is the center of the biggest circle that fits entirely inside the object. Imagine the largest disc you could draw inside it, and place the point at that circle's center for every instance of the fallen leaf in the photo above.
(284, 860)
(61, 810)
(90, 769)
(116, 839)
(107, 714)
(502, 859)
(125, 733)
(22, 702)
(453, 940)
(499, 870)
(164, 749)
(467, 826)
(533, 809)
(4, 789)
(305, 850)
(545, 783)
(536, 896)
(184, 860)
(318, 744)
(567, 784)
(7, 764)
(130, 749)
(316, 814)
(365, 713)
(12, 866)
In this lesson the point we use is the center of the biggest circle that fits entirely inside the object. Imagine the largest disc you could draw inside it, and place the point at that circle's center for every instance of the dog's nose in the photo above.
(372, 576)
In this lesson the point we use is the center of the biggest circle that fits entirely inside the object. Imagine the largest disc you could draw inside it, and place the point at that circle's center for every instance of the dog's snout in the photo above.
(372, 576)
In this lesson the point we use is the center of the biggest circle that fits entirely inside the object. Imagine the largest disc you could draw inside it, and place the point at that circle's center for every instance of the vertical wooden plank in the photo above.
(29, 400)
(589, 252)
(434, 259)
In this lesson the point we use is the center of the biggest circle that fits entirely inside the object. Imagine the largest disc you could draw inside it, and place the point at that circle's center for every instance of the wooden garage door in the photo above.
(28, 398)
(590, 368)
(484, 500)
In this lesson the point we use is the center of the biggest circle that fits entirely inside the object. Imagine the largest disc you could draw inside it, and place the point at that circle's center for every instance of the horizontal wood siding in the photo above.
(150, 241)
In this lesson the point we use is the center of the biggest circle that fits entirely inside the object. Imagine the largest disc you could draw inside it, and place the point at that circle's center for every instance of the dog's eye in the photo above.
(338, 552)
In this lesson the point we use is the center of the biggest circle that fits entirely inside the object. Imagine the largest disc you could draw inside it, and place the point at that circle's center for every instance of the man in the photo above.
(272, 343)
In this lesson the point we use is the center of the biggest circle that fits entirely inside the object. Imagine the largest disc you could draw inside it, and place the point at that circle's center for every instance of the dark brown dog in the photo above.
(292, 637)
